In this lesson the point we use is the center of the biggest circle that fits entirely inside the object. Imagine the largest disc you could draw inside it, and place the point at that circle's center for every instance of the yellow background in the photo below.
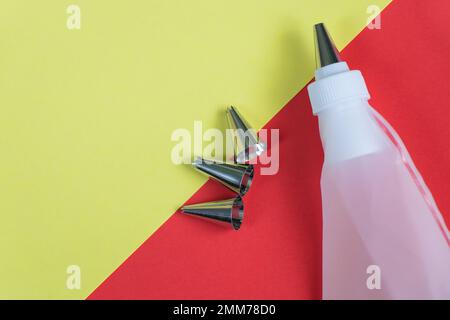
(86, 116)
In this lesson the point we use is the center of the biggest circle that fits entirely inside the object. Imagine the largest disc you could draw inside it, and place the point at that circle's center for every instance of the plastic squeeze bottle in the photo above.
(383, 234)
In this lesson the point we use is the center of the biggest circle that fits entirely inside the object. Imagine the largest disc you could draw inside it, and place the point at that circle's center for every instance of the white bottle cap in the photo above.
(336, 84)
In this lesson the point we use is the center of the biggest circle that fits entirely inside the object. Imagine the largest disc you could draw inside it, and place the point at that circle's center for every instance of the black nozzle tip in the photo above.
(326, 52)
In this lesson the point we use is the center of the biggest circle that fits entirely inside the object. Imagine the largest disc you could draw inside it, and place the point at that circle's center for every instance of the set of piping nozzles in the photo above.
(237, 175)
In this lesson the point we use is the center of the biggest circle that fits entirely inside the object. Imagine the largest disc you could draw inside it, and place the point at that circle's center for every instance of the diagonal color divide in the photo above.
(277, 252)
(86, 117)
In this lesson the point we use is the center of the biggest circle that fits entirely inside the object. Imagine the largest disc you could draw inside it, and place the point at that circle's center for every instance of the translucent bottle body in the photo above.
(383, 235)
